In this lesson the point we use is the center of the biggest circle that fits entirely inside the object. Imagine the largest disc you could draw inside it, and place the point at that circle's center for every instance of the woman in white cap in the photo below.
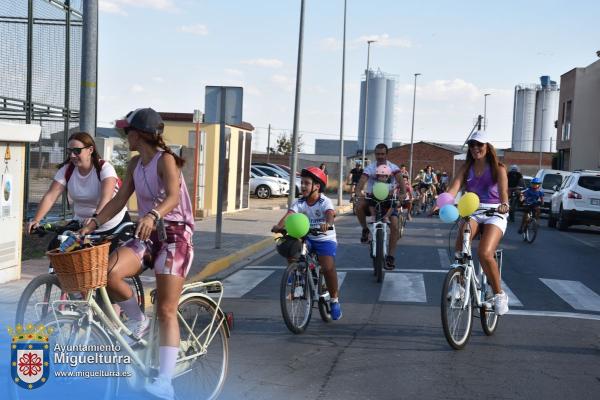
(484, 175)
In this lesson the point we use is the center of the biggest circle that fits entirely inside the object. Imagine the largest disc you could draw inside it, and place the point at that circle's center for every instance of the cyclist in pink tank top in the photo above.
(484, 175)
(164, 229)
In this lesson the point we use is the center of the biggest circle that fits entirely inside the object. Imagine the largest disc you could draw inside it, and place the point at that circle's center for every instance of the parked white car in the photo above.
(577, 201)
(275, 171)
(550, 178)
(265, 186)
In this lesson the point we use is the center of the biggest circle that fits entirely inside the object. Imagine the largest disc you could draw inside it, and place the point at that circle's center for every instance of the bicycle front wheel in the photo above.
(530, 232)
(203, 357)
(379, 258)
(456, 317)
(324, 308)
(36, 301)
(296, 297)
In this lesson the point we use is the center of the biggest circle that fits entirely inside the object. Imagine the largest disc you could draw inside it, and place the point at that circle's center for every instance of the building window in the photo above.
(566, 122)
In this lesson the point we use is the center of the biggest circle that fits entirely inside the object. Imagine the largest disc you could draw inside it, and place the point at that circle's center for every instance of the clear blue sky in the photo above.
(162, 53)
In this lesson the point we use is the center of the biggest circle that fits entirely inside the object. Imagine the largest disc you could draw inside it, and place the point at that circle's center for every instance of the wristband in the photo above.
(95, 221)
(155, 214)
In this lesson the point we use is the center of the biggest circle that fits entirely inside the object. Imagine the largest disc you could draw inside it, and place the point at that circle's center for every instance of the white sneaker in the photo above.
(457, 292)
(139, 328)
(501, 303)
(161, 388)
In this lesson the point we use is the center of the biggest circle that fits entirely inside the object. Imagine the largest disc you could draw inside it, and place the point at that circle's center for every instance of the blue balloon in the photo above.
(449, 213)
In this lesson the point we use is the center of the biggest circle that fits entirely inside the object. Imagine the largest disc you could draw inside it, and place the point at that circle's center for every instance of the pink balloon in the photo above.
(444, 199)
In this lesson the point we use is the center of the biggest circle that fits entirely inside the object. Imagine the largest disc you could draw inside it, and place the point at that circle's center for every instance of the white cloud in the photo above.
(110, 7)
(197, 29)
(233, 72)
(283, 82)
(330, 43)
(383, 40)
(264, 62)
(158, 79)
(137, 88)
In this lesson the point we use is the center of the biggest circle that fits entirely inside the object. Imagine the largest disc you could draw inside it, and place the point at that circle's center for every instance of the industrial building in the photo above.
(380, 110)
(534, 115)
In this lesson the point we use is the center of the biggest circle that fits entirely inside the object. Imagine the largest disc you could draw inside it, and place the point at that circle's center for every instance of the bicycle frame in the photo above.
(115, 326)
(377, 225)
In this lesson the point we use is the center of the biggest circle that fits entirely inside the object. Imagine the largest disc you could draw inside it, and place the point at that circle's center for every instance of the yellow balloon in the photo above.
(468, 204)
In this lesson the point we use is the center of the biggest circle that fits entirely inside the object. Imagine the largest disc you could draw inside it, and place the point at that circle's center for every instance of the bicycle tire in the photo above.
(324, 308)
(26, 310)
(530, 232)
(401, 224)
(77, 331)
(488, 318)
(204, 376)
(455, 339)
(292, 280)
(379, 258)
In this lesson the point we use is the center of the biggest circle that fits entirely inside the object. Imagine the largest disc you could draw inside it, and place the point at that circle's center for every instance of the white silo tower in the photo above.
(390, 105)
(546, 112)
(524, 118)
(380, 114)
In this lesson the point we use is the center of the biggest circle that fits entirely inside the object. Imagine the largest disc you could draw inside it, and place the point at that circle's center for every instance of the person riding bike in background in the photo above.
(368, 178)
(383, 175)
(321, 214)
(515, 179)
(484, 175)
(444, 181)
(90, 183)
(164, 229)
(532, 197)
(407, 202)
(354, 177)
(428, 182)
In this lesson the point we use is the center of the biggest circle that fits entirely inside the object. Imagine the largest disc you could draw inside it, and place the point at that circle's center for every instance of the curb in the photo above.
(223, 263)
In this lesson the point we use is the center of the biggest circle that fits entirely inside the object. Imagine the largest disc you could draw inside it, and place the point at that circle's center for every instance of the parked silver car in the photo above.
(265, 186)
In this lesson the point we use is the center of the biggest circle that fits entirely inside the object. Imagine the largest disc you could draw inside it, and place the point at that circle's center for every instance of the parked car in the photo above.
(577, 201)
(265, 186)
(550, 178)
(527, 180)
(273, 170)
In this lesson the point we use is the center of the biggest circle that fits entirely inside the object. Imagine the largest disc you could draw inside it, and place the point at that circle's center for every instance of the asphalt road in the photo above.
(389, 343)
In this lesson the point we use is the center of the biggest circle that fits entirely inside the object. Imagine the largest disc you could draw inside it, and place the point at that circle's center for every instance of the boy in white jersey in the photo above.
(320, 212)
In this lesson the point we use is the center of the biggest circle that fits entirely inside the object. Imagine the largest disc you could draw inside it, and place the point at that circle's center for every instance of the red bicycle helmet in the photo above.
(317, 175)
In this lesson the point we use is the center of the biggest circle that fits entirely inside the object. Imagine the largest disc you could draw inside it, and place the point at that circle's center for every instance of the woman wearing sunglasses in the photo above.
(90, 183)
(484, 175)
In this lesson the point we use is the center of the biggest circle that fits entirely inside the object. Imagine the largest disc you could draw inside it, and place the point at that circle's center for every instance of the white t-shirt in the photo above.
(316, 216)
(85, 192)
(371, 170)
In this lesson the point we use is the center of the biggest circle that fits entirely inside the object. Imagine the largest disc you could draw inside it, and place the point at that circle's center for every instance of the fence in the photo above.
(40, 79)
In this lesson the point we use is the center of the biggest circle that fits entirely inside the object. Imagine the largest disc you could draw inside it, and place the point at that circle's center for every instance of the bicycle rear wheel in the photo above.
(457, 319)
(201, 371)
(379, 258)
(296, 297)
(36, 300)
(530, 232)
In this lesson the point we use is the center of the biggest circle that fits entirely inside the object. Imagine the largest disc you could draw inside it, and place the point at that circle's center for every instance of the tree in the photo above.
(283, 144)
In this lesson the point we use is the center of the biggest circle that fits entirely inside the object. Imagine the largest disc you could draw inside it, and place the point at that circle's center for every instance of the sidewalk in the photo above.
(245, 236)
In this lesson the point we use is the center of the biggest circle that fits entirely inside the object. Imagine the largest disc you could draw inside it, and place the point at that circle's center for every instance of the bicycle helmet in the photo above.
(383, 170)
(514, 168)
(317, 175)
(536, 181)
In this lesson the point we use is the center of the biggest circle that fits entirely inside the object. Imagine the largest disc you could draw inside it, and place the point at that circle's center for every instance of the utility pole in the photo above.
(269, 143)
(485, 111)
(341, 161)
(294, 165)
(89, 68)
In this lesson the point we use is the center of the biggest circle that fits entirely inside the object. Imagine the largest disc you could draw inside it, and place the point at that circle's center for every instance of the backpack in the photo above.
(69, 173)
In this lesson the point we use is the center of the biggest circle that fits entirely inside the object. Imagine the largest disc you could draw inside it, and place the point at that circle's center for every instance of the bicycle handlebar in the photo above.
(42, 230)
(311, 231)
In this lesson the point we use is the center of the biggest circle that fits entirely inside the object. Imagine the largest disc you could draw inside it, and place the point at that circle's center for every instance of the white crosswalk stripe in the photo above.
(407, 287)
(243, 281)
(513, 301)
(579, 296)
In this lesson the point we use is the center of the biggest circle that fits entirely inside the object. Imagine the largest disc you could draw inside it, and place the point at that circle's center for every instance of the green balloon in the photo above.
(380, 191)
(297, 225)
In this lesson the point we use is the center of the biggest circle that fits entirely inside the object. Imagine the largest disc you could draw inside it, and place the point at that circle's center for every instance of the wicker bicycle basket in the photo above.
(81, 270)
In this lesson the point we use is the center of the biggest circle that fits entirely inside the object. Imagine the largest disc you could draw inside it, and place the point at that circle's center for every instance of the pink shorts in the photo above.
(171, 257)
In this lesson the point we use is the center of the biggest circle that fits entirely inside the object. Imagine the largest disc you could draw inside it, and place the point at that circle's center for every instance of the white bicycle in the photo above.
(466, 288)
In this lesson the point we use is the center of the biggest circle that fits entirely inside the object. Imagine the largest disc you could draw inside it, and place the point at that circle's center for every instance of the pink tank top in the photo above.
(150, 192)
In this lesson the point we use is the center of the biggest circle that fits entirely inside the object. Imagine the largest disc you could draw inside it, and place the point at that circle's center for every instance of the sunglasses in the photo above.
(76, 150)
(474, 143)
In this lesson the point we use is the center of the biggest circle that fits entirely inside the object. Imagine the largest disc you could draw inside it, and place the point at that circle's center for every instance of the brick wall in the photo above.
(528, 162)
(423, 154)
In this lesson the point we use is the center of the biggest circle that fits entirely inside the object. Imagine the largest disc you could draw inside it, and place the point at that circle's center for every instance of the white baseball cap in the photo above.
(479, 136)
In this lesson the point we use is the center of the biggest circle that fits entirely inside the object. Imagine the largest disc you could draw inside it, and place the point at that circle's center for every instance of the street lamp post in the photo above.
(541, 139)
(485, 111)
(364, 144)
(341, 162)
(412, 131)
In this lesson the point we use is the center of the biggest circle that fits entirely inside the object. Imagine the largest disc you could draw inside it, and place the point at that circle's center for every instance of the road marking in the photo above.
(407, 287)
(439, 241)
(243, 281)
(557, 314)
(444, 262)
(579, 240)
(341, 277)
(397, 270)
(513, 301)
(579, 296)
(266, 267)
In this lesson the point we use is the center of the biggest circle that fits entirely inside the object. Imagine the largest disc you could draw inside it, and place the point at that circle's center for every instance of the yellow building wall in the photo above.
(178, 133)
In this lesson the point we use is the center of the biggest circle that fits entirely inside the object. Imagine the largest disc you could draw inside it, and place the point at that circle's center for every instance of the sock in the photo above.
(167, 357)
(132, 309)
(334, 300)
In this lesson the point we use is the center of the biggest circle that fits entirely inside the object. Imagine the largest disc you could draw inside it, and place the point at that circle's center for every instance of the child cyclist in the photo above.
(383, 175)
(320, 212)
(532, 197)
